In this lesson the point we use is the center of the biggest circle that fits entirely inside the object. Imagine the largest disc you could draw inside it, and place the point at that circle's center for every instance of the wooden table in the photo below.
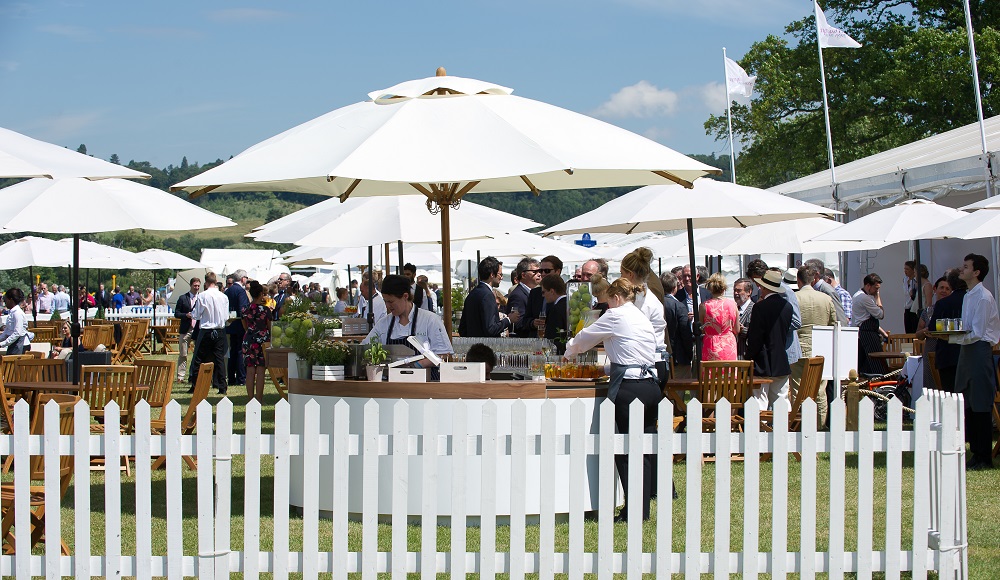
(30, 389)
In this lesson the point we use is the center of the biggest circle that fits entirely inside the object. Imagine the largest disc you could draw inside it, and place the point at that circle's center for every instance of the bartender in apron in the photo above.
(635, 268)
(630, 343)
(866, 311)
(404, 320)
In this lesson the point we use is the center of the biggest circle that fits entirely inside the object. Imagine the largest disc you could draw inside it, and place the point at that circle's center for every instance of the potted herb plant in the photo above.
(327, 358)
(375, 358)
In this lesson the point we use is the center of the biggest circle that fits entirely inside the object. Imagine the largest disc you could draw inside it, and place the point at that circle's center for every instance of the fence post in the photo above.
(853, 398)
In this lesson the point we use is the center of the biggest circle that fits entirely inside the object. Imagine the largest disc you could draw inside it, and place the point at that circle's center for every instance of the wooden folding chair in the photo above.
(172, 336)
(119, 354)
(279, 375)
(202, 384)
(46, 370)
(36, 493)
(143, 344)
(158, 375)
(99, 385)
(812, 381)
(44, 333)
(724, 379)
(7, 363)
(899, 343)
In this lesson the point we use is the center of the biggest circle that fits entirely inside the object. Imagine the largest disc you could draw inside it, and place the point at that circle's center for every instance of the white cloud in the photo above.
(642, 99)
(67, 126)
(712, 95)
(68, 31)
(246, 15)
(660, 134)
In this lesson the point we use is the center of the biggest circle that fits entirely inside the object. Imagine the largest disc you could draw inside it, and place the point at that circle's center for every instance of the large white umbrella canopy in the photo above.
(378, 220)
(984, 223)
(22, 156)
(788, 237)
(99, 206)
(94, 255)
(672, 246)
(419, 254)
(35, 251)
(446, 137)
(169, 260)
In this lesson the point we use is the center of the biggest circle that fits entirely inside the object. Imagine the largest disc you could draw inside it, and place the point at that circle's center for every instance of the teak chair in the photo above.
(120, 351)
(724, 379)
(202, 384)
(158, 375)
(172, 336)
(279, 375)
(900, 343)
(36, 493)
(99, 385)
(45, 370)
(7, 364)
(95, 335)
(812, 380)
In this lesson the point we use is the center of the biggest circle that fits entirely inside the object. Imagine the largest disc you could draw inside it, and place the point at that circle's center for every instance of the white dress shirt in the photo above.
(429, 329)
(863, 307)
(15, 327)
(653, 310)
(628, 337)
(979, 315)
(377, 305)
(212, 309)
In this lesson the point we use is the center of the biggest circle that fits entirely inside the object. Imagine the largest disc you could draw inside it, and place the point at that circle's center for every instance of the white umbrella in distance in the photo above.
(906, 221)
(984, 223)
(673, 246)
(789, 237)
(22, 156)
(169, 260)
(445, 137)
(709, 204)
(97, 206)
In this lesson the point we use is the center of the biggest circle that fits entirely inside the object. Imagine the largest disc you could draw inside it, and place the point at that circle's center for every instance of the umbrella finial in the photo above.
(441, 72)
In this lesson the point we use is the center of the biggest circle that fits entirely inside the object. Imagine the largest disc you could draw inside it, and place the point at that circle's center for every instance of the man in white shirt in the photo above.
(60, 300)
(211, 311)
(372, 304)
(975, 376)
(44, 300)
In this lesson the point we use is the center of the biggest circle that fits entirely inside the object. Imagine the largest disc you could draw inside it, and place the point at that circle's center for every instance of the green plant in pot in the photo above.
(376, 357)
(297, 334)
(327, 352)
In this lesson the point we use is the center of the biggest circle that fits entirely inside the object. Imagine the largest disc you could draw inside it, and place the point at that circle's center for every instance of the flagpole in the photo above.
(994, 246)
(829, 149)
(729, 120)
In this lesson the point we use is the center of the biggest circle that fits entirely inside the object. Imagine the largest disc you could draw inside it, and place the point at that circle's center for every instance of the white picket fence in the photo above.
(937, 538)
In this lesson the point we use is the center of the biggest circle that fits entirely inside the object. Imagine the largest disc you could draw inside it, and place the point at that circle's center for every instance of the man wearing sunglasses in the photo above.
(528, 278)
(536, 300)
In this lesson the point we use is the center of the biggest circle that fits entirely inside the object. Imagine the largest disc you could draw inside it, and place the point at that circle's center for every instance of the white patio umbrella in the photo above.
(710, 204)
(22, 156)
(672, 246)
(446, 137)
(169, 260)
(788, 237)
(910, 220)
(97, 206)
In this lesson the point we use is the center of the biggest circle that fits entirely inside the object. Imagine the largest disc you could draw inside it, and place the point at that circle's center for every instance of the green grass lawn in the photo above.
(984, 525)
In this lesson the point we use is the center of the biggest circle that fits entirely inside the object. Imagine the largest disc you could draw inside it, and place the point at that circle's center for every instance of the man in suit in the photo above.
(102, 297)
(766, 338)
(679, 341)
(284, 280)
(238, 301)
(528, 278)
(818, 268)
(185, 304)
(556, 320)
(816, 309)
(536, 301)
(480, 315)
(684, 295)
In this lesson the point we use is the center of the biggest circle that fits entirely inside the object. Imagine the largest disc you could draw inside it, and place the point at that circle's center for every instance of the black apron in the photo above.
(870, 340)
(435, 372)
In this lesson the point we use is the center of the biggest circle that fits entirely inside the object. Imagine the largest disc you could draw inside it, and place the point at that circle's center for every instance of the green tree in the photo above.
(910, 80)
(114, 159)
(82, 149)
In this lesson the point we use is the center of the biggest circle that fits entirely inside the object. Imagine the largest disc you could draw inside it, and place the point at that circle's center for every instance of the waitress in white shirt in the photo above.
(630, 343)
(403, 320)
(15, 331)
(635, 268)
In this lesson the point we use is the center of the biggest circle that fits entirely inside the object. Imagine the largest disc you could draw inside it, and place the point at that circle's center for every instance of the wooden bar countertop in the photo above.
(487, 390)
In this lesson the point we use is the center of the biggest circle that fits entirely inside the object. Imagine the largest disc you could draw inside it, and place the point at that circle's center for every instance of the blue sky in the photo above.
(156, 81)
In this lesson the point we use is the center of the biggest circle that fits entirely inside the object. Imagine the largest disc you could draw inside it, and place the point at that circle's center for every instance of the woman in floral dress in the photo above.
(257, 322)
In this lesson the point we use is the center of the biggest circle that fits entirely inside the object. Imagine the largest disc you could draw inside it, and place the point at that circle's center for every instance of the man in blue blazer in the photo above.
(238, 301)
(527, 278)
(480, 315)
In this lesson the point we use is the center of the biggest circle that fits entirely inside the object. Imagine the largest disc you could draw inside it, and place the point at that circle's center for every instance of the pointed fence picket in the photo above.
(937, 538)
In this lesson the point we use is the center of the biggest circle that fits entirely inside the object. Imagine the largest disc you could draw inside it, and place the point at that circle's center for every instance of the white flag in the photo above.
(830, 36)
(737, 80)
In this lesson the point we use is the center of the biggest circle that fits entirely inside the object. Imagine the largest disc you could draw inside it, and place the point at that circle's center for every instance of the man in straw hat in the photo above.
(767, 336)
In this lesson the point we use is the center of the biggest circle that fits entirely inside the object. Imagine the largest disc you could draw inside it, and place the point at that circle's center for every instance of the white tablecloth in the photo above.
(913, 371)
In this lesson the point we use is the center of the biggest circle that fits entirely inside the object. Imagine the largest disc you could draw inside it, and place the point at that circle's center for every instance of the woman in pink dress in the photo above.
(720, 322)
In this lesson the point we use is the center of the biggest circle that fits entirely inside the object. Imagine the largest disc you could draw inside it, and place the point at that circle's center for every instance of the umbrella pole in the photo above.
(696, 324)
(659, 266)
(920, 283)
(75, 327)
(31, 285)
(399, 249)
(371, 287)
(385, 248)
(86, 311)
(350, 295)
(446, 263)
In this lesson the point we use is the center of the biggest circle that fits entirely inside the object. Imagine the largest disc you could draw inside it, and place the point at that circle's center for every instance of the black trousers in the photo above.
(237, 371)
(947, 375)
(979, 434)
(649, 393)
(210, 347)
(910, 321)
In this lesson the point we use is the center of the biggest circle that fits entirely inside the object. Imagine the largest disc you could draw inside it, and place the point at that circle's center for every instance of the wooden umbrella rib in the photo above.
(343, 197)
(674, 178)
(205, 190)
(530, 185)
